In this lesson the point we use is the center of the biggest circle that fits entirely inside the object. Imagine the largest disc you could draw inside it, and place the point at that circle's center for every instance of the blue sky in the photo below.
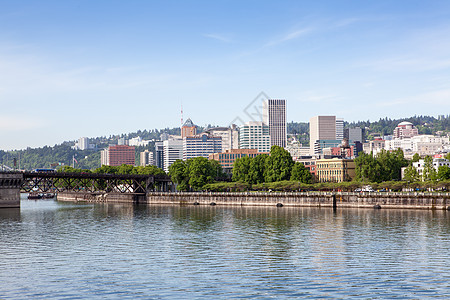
(95, 68)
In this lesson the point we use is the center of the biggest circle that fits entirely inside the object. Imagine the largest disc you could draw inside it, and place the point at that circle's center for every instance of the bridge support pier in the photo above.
(10, 184)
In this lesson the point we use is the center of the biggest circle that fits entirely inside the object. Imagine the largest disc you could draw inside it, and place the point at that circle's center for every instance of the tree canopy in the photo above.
(194, 173)
(385, 166)
(278, 166)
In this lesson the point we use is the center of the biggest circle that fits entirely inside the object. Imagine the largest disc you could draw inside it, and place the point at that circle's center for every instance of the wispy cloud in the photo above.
(437, 97)
(318, 97)
(20, 123)
(289, 36)
(346, 22)
(218, 37)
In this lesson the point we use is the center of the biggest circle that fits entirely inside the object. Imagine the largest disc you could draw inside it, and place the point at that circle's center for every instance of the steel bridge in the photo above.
(55, 182)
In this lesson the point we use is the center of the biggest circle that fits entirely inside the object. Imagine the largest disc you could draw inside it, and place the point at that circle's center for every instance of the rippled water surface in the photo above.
(50, 249)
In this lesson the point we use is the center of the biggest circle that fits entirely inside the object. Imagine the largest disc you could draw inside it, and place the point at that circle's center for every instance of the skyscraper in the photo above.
(354, 134)
(274, 115)
(321, 128)
(159, 153)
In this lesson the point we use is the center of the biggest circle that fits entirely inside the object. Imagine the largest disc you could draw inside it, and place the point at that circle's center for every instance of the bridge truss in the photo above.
(49, 182)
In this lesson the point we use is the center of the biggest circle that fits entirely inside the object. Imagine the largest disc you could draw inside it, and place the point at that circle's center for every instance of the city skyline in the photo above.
(74, 69)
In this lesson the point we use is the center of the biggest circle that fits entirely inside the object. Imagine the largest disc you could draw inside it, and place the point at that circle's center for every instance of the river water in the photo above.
(50, 249)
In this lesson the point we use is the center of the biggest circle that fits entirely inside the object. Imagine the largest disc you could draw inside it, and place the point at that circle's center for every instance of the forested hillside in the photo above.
(63, 154)
(386, 126)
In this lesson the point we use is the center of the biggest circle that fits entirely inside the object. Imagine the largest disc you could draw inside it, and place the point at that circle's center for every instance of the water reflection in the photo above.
(57, 250)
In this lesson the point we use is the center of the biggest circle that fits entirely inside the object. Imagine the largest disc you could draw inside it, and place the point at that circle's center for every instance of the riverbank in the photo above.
(439, 201)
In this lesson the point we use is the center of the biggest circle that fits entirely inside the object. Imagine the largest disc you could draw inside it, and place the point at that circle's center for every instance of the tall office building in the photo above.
(354, 134)
(255, 135)
(173, 150)
(321, 128)
(274, 115)
(117, 156)
(146, 158)
(339, 129)
(159, 155)
(201, 145)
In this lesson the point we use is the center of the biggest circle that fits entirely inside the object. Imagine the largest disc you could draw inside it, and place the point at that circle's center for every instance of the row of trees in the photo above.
(385, 166)
(348, 186)
(123, 169)
(277, 166)
(194, 173)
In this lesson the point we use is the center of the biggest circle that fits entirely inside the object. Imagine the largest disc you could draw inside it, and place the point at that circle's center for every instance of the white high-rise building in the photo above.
(321, 128)
(173, 150)
(83, 143)
(146, 158)
(255, 135)
(339, 129)
(274, 115)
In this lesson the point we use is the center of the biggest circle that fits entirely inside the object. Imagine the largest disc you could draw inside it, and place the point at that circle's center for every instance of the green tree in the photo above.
(300, 173)
(150, 170)
(416, 157)
(391, 164)
(443, 173)
(241, 169)
(411, 174)
(429, 172)
(217, 169)
(257, 168)
(200, 172)
(367, 169)
(278, 165)
(194, 173)
(178, 172)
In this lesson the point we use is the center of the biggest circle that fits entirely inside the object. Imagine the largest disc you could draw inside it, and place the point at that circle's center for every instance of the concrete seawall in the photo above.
(311, 199)
(361, 200)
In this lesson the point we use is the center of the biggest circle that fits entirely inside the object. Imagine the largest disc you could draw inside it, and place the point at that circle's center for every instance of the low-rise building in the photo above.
(420, 166)
(138, 141)
(405, 130)
(228, 157)
(309, 163)
(335, 170)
